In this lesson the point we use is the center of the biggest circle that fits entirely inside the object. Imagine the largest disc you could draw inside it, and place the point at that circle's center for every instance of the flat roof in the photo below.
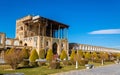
(30, 18)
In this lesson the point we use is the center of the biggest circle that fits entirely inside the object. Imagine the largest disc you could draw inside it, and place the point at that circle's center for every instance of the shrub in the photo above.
(118, 56)
(63, 55)
(33, 57)
(66, 62)
(13, 57)
(94, 56)
(83, 62)
(54, 65)
(98, 60)
(49, 56)
(25, 54)
(41, 63)
(115, 55)
(103, 56)
(80, 54)
(106, 56)
(88, 56)
(72, 57)
(42, 54)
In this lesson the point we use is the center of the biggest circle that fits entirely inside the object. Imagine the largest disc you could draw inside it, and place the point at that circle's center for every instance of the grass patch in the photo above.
(44, 70)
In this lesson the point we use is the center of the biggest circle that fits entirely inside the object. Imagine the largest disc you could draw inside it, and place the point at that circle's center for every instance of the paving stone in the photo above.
(105, 70)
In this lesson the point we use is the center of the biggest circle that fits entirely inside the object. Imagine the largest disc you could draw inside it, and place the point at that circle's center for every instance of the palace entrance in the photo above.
(54, 48)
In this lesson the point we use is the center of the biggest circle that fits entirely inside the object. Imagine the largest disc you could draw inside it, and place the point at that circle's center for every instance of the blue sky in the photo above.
(94, 22)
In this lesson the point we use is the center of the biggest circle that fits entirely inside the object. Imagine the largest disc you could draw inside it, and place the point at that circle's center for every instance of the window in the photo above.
(8, 42)
(21, 28)
(47, 44)
(16, 43)
(25, 44)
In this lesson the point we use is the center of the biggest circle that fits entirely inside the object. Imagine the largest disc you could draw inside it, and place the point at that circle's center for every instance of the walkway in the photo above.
(106, 70)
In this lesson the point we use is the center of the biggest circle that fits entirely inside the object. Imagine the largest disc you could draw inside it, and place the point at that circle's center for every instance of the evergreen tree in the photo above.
(88, 56)
(49, 56)
(63, 55)
(25, 54)
(104, 56)
(94, 56)
(72, 57)
(80, 54)
(33, 55)
(42, 54)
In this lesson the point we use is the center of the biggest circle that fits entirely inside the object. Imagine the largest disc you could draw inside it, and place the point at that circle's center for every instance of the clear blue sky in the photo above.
(94, 22)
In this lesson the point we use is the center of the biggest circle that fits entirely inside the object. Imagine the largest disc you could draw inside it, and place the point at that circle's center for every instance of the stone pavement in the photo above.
(104, 70)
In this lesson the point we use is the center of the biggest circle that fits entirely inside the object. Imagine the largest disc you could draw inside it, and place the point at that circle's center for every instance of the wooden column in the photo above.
(62, 33)
(38, 28)
(59, 32)
(51, 30)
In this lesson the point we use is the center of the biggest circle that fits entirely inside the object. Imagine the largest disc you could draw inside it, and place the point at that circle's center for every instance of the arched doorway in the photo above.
(54, 47)
(25, 44)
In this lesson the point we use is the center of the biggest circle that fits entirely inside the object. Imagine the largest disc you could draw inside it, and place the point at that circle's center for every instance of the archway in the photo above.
(25, 44)
(54, 47)
(16, 43)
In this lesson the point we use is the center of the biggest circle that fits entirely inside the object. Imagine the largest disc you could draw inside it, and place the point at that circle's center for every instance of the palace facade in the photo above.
(38, 33)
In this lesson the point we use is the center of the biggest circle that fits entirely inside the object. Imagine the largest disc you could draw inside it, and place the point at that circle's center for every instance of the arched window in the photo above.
(16, 43)
(21, 28)
(8, 42)
(47, 44)
(25, 44)
(62, 46)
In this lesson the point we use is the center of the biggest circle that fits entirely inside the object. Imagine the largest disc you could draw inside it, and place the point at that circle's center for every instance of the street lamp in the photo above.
(76, 57)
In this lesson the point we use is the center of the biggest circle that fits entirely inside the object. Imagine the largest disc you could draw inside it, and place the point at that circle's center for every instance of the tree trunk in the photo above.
(102, 62)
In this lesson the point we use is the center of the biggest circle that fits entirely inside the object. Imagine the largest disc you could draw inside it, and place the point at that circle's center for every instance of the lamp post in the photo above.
(76, 58)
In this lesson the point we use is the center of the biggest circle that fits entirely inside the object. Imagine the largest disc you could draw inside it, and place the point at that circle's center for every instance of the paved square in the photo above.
(106, 70)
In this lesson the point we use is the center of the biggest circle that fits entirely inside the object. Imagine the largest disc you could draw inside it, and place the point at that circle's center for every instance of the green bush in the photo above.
(63, 55)
(83, 62)
(94, 56)
(33, 57)
(80, 54)
(98, 60)
(42, 54)
(104, 56)
(80, 60)
(72, 57)
(25, 54)
(49, 56)
(88, 56)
